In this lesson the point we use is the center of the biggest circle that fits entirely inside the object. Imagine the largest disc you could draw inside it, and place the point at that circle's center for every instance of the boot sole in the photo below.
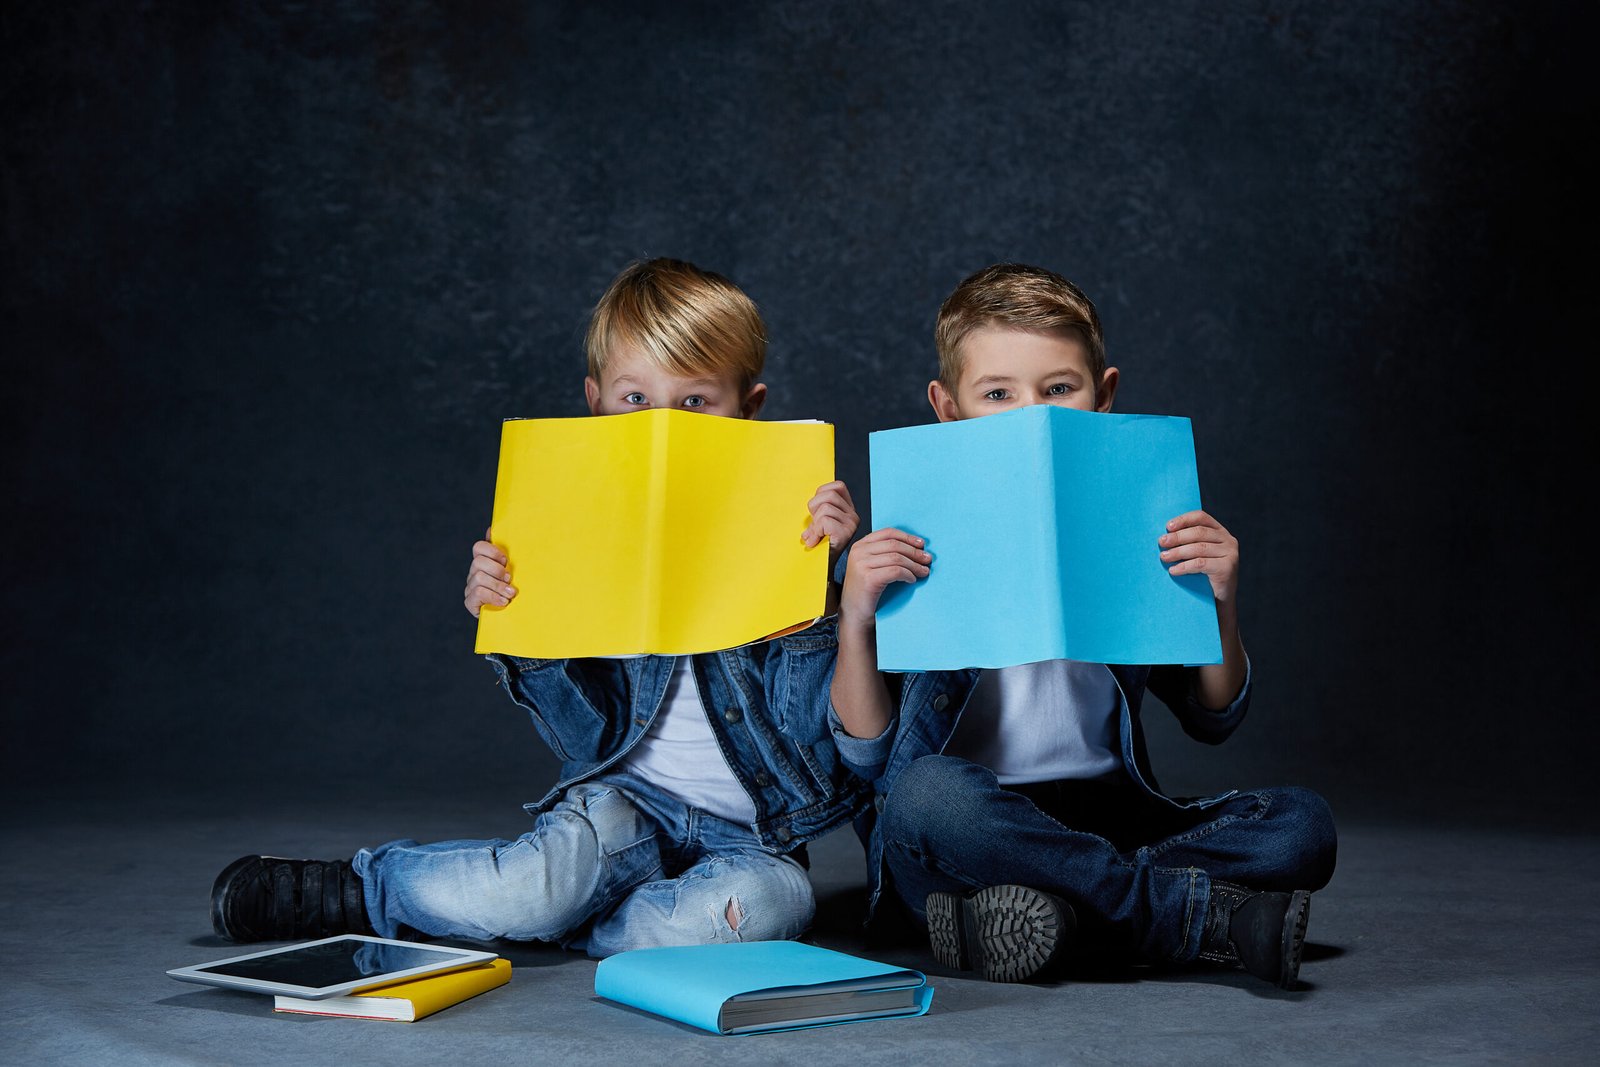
(1007, 933)
(1295, 921)
(220, 891)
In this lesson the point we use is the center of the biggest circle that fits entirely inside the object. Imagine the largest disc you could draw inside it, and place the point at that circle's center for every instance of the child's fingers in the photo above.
(491, 568)
(834, 489)
(835, 519)
(1192, 518)
(1197, 550)
(1196, 520)
(889, 533)
(477, 598)
(1195, 534)
(491, 585)
(481, 596)
(488, 550)
(837, 514)
(831, 517)
(831, 508)
(905, 571)
(899, 558)
(488, 565)
(487, 595)
(884, 548)
(824, 497)
(1203, 565)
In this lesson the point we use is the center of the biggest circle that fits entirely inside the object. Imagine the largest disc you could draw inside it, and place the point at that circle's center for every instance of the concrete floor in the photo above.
(1431, 945)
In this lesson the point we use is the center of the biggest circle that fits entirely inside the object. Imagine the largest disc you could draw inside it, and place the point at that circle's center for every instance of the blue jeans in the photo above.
(612, 866)
(1136, 869)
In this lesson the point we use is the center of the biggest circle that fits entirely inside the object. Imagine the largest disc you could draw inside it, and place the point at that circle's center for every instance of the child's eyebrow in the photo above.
(993, 379)
(696, 383)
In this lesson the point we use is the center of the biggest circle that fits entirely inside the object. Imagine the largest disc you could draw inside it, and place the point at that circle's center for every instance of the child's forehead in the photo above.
(1004, 350)
(630, 365)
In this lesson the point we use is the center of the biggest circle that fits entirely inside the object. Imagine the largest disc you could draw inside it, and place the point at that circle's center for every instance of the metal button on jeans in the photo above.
(782, 834)
(733, 714)
(941, 702)
(763, 779)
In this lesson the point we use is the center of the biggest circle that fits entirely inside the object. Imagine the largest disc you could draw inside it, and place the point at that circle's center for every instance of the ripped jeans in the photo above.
(612, 866)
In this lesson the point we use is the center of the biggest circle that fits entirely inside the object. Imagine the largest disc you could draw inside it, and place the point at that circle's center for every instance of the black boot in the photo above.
(265, 898)
(1007, 933)
(1262, 932)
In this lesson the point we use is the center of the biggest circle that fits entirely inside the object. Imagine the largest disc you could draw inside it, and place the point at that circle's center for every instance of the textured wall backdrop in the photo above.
(273, 272)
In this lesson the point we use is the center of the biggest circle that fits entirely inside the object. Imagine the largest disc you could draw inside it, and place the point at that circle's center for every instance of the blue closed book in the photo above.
(755, 986)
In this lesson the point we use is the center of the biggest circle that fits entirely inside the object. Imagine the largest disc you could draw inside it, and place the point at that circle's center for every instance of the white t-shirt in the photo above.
(1040, 722)
(680, 756)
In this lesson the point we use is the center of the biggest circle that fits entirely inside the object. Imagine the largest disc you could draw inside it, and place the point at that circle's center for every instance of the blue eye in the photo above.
(1059, 389)
(635, 398)
(995, 394)
(694, 401)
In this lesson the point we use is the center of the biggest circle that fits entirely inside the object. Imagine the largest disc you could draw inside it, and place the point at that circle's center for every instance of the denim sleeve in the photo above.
(556, 692)
(866, 756)
(1174, 687)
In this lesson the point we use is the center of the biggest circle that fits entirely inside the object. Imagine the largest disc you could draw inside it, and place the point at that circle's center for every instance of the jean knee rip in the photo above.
(727, 919)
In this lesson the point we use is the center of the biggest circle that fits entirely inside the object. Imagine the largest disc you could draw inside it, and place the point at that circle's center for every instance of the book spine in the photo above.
(652, 559)
(1053, 447)
(458, 987)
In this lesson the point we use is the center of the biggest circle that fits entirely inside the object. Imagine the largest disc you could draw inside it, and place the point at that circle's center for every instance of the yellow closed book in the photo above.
(405, 1002)
(656, 532)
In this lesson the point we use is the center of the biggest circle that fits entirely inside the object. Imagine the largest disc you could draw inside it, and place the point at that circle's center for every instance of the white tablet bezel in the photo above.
(458, 959)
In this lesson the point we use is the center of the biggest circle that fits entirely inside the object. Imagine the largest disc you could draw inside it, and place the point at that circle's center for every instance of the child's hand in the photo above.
(1195, 543)
(883, 556)
(833, 515)
(487, 578)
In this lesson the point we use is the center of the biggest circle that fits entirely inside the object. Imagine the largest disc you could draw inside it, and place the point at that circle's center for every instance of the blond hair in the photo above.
(1019, 297)
(683, 319)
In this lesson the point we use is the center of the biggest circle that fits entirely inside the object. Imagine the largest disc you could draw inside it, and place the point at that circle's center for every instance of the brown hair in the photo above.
(1020, 297)
(685, 320)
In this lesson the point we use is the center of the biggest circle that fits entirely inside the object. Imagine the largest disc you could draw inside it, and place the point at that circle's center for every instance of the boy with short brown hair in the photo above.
(1016, 813)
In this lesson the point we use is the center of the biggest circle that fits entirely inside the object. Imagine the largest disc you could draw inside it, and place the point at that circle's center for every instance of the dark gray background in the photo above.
(273, 273)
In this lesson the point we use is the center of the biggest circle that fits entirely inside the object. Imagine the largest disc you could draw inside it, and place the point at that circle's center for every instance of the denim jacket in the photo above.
(930, 704)
(768, 709)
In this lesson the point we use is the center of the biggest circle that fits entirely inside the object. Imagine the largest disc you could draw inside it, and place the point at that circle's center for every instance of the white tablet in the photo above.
(332, 967)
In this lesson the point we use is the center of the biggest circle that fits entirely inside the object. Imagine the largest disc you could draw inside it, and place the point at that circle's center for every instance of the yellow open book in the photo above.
(405, 1002)
(660, 531)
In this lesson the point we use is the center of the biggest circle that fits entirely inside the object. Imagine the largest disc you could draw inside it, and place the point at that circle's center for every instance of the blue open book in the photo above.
(754, 986)
(1042, 523)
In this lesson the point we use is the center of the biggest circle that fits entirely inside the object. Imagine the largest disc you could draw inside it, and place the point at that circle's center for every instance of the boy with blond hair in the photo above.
(689, 785)
(1017, 814)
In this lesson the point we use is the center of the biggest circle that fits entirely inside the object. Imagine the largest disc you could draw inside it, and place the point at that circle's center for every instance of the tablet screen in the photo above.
(316, 966)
